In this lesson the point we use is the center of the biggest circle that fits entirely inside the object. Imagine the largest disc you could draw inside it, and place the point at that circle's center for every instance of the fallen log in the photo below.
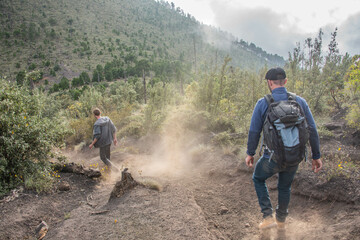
(76, 168)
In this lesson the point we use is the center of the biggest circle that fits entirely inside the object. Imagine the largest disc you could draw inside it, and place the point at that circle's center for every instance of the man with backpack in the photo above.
(287, 125)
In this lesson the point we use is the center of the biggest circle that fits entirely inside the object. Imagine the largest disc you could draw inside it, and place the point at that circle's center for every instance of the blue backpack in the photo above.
(285, 131)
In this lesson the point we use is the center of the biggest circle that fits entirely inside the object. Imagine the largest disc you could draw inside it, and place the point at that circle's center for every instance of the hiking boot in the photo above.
(280, 225)
(268, 222)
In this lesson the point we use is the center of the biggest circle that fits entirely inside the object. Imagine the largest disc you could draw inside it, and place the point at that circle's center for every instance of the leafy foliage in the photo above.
(28, 133)
(352, 91)
(320, 82)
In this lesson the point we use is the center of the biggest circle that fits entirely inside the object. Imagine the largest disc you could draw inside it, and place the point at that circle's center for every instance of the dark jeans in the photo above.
(265, 169)
(105, 154)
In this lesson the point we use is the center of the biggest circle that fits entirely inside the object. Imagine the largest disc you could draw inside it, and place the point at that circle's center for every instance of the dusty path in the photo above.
(212, 198)
(204, 194)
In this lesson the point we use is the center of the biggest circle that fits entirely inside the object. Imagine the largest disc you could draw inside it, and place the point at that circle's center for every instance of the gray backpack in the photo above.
(285, 131)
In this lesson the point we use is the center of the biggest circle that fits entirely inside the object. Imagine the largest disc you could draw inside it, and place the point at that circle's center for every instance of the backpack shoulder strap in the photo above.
(291, 96)
(269, 99)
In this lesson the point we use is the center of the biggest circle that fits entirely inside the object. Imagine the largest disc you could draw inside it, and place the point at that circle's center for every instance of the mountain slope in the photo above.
(75, 36)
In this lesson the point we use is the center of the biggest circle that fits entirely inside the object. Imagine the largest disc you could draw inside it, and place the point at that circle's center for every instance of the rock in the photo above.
(333, 126)
(223, 210)
(64, 186)
(247, 225)
(41, 230)
(91, 173)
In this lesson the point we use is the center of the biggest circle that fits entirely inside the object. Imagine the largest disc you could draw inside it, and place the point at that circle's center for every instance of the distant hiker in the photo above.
(104, 133)
(287, 124)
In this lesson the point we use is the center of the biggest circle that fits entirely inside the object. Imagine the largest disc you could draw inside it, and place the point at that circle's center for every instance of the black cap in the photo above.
(275, 74)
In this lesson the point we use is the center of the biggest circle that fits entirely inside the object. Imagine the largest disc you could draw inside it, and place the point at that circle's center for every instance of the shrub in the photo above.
(27, 137)
(222, 124)
(57, 67)
(20, 77)
(52, 22)
(64, 83)
(352, 87)
(197, 120)
(82, 129)
(32, 66)
(132, 126)
(222, 139)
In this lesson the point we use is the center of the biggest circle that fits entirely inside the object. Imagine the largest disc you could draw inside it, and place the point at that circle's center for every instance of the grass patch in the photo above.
(151, 184)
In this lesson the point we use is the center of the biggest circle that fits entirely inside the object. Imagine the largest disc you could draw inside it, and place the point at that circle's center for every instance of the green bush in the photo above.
(222, 139)
(32, 66)
(57, 67)
(27, 136)
(52, 22)
(20, 77)
(352, 87)
(64, 83)
(197, 120)
(82, 129)
(222, 124)
(132, 127)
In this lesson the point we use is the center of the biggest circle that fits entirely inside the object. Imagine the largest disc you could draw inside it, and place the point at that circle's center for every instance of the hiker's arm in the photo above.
(249, 160)
(93, 142)
(316, 165)
(114, 137)
(256, 125)
(113, 130)
(314, 136)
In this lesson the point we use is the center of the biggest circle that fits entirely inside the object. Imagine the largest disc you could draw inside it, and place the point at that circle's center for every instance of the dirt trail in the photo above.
(212, 199)
(204, 194)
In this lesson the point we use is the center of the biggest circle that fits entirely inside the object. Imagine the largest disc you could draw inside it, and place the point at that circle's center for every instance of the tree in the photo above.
(84, 78)
(98, 74)
(108, 72)
(95, 76)
(333, 78)
(20, 77)
(32, 33)
(64, 83)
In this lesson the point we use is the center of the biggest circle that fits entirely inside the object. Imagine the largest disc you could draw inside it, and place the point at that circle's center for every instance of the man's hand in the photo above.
(316, 165)
(91, 146)
(249, 161)
(115, 141)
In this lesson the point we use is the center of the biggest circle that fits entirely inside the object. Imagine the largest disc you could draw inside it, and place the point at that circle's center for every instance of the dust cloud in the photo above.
(177, 152)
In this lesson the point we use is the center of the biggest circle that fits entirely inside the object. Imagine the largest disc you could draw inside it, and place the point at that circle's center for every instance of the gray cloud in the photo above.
(349, 35)
(274, 33)
(262, 26)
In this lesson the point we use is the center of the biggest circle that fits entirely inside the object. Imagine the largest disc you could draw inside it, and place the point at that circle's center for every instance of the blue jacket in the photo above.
(258, 118)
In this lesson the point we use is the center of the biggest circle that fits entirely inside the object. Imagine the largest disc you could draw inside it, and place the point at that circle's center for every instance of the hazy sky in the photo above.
(276, 25)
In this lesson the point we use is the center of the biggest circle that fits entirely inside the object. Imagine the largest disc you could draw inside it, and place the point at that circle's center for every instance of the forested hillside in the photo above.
(65, 38)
